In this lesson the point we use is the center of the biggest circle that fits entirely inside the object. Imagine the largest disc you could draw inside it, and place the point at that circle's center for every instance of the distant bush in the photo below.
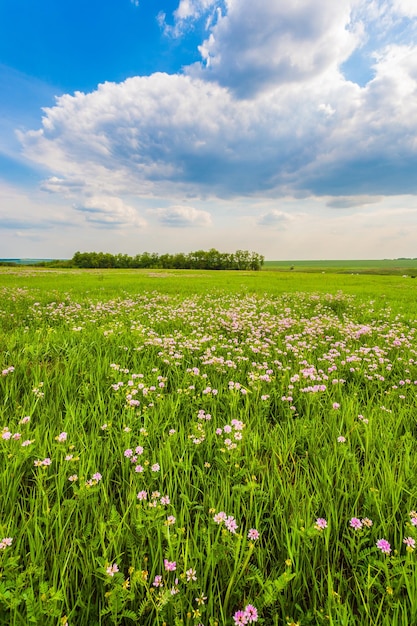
(203, 260)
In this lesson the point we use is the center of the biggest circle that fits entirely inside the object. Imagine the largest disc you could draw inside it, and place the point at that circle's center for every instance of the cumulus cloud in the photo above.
(187, 13)
(406, 8)
(109, 211)
(193, 9)
(268, 113)
(253, 48)
(178, 216)
(371, 147)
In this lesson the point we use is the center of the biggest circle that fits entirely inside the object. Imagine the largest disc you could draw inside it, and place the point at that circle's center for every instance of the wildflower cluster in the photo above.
(308, 390)
(228, 520)
(94, 480)
(249, 615)
(231, 433)
(7, 370)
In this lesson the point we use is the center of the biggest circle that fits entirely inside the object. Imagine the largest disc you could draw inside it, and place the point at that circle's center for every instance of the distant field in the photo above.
(109, 283)
(381, 266)
(377, 266)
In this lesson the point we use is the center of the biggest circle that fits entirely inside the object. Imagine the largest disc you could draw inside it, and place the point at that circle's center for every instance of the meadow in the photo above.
(207, 448)
(379, 266)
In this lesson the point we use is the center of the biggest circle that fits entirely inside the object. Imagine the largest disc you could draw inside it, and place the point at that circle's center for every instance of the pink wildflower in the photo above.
(409, 542)
(112, 569)
(220, 517)
(384, 546)
(321, 523)
(191, 574)
(240, 618)
(6, 542)
(230, 524)
(170, 566)
(355, 523)
(251, 613)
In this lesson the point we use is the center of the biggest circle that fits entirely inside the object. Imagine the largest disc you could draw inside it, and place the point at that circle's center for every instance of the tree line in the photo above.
(201, 259)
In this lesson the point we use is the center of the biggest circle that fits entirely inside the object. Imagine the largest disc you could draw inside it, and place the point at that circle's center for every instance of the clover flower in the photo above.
(112, 569)
(355, 523)
(384, 546)
(320, 524)
(6, 542)
(253, 534)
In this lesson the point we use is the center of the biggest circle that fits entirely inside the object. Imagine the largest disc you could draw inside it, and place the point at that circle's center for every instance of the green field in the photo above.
(378, 267)
(382, 266)
(208, 448)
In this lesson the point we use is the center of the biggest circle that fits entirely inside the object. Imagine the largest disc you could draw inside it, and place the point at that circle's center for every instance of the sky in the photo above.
(286, 128)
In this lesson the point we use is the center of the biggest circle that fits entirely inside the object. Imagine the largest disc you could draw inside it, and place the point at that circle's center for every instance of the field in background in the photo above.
(207, 448)
(379, 267)
(401, 290)
(383, 266)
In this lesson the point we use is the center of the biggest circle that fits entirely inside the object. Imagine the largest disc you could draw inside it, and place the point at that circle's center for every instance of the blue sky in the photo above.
(289, 128)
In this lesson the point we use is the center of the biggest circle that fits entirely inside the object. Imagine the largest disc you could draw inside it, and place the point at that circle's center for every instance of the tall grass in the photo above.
(190, 455)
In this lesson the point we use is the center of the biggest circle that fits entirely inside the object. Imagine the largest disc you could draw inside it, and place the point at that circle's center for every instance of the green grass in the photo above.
(214, 377)
(381, 266)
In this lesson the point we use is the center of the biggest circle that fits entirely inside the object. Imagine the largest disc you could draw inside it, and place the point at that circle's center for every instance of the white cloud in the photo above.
(301, 128)
(327, 109)
(193, 9)
(406, 8)
(61, 186)
(275, 218)
(178, 216)
(162, 135)
(187, 13)
(256, 47)
(110, 211)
